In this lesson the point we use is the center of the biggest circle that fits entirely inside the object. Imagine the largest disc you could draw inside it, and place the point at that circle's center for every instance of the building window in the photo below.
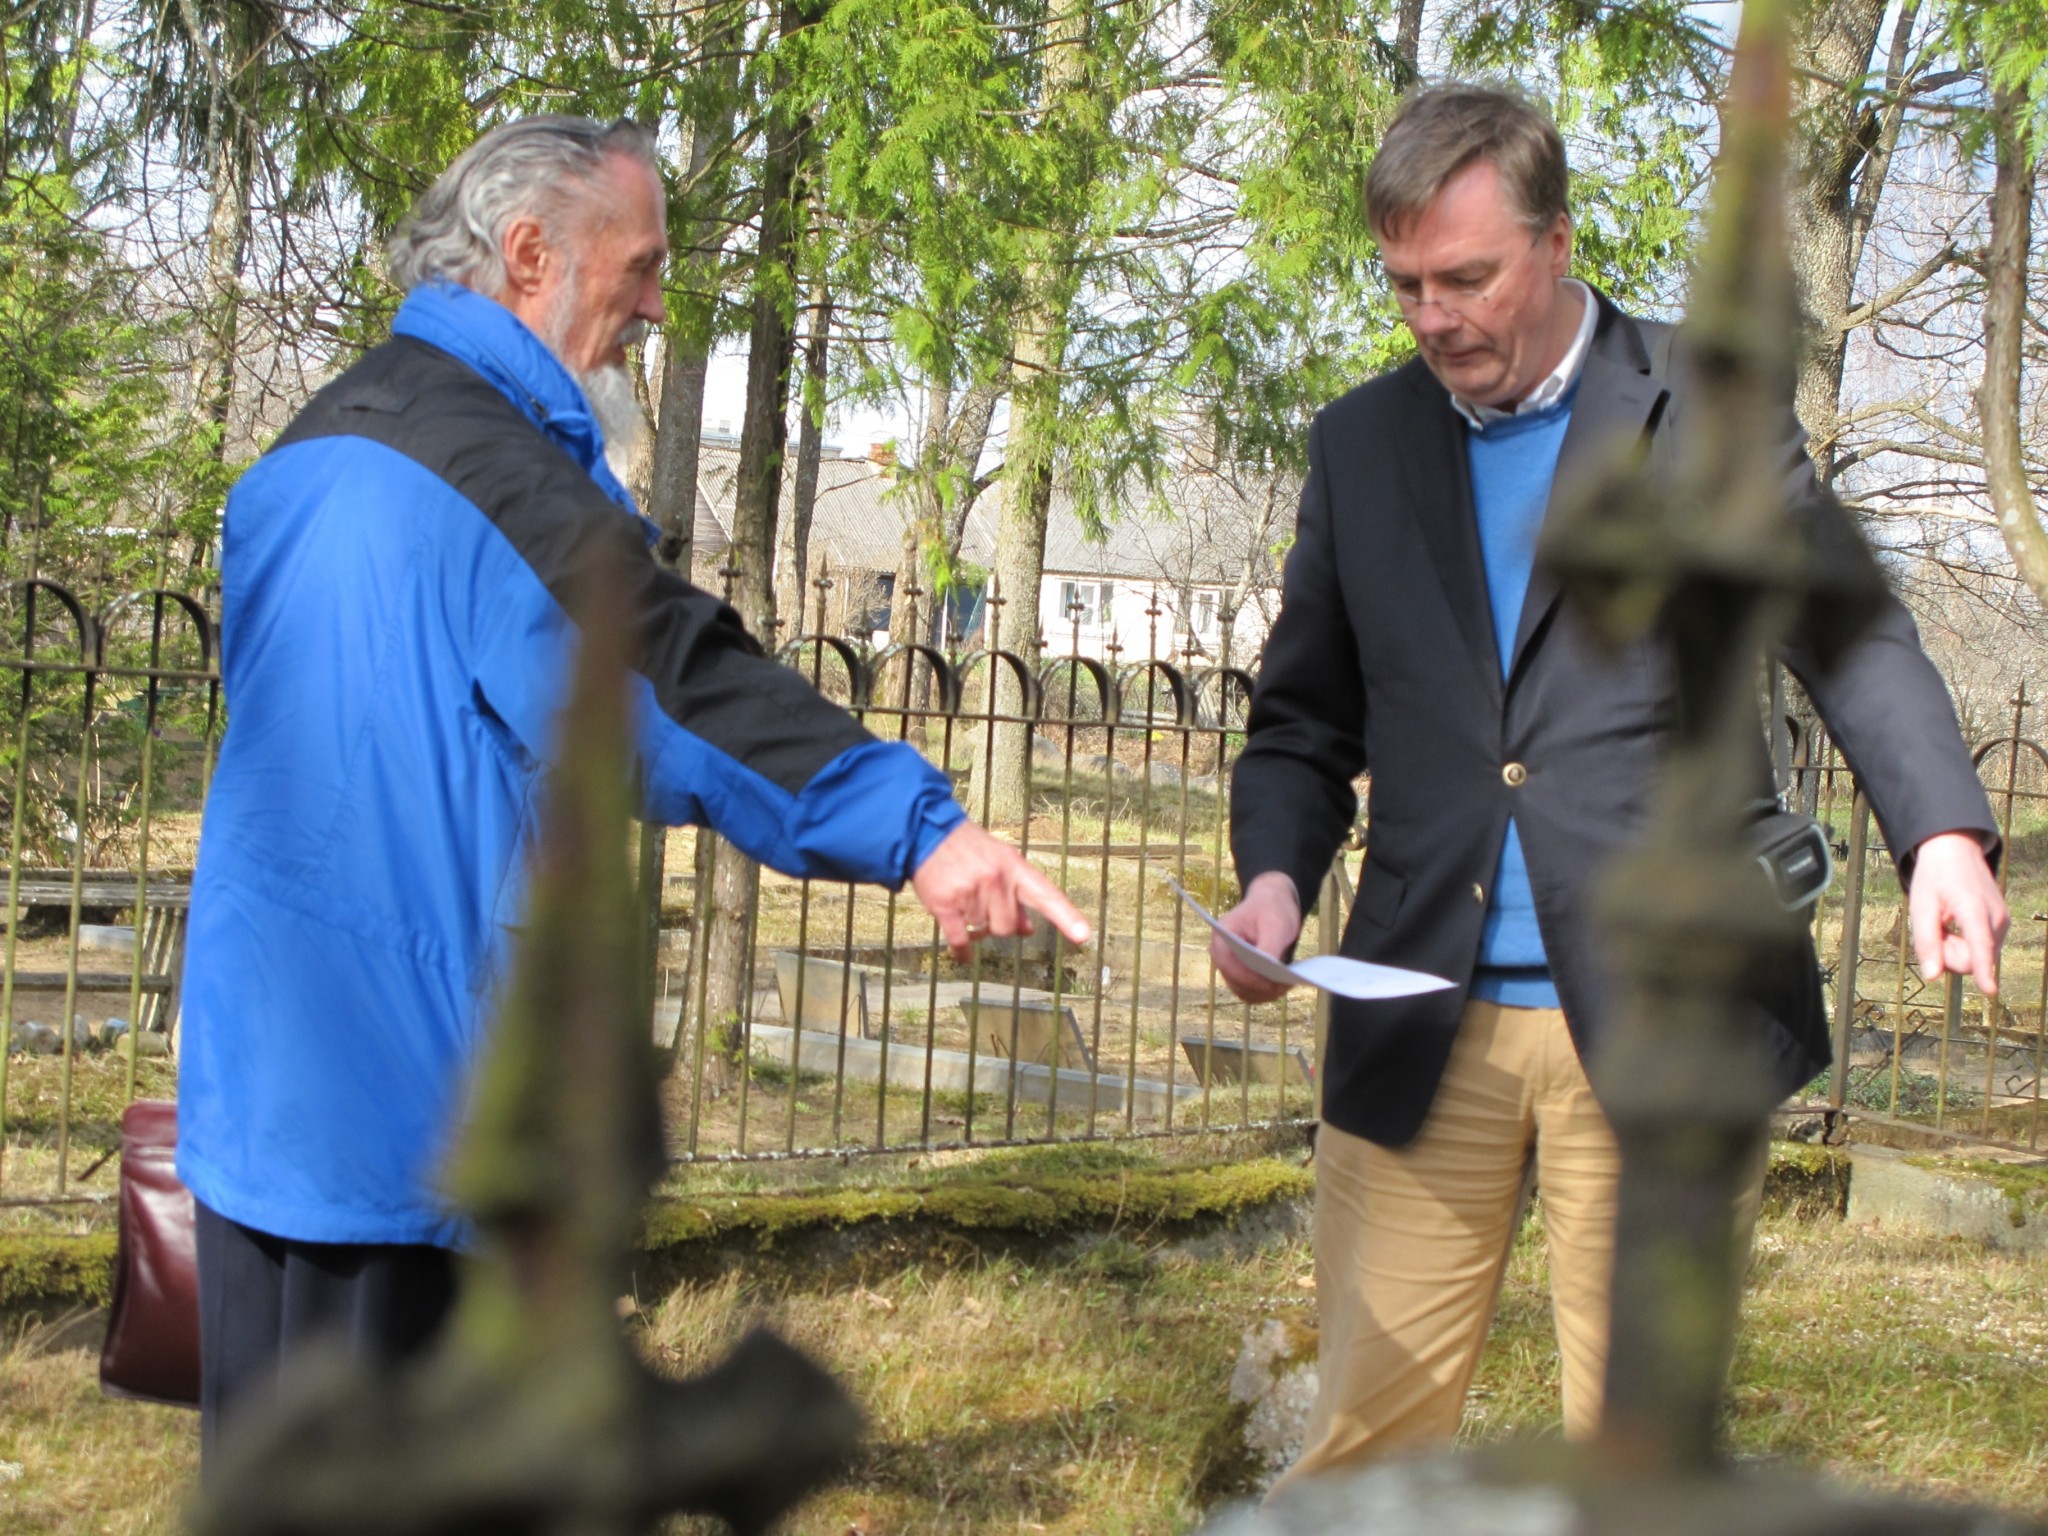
(1092, 599)
(1205, 613)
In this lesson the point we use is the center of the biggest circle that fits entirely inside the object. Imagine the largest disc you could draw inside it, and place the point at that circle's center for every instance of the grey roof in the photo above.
(855, 523)
(1209, 527)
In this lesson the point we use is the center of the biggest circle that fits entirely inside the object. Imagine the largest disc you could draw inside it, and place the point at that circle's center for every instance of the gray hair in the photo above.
(530, 168)
(1441, 129)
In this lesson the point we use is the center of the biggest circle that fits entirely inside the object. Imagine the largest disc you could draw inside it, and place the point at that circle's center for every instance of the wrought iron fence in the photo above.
(804, 1018)
(1936, 1056)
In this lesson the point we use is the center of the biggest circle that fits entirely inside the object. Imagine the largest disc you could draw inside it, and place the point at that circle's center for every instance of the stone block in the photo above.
(1232, 1061)
(1027, 1030)
(2001, 1205)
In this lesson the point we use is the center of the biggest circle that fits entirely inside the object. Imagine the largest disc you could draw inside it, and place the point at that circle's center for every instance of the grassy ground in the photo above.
(1088, 1396)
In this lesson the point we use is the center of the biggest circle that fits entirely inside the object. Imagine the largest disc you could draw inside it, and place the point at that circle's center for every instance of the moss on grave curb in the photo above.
(977, 1210)
(41, 1270)
(1806, 1180)
(1038, 1208)
(2024, 1185)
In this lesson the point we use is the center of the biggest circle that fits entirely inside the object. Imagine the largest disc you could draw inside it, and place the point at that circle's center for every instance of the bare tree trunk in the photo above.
(757, 489)
(792, 565)
(2005, 304)
(969, 438)
(1068, 103)
(1833, 44)
(908, 614)
(1408, 39)
(679, 427)
(236, 85)
(678, 439)
(1039, 348)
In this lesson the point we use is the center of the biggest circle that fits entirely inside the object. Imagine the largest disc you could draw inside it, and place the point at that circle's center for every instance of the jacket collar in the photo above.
(488, 337)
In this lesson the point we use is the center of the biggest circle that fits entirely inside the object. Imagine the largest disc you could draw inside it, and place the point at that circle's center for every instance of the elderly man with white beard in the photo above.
(397, 579)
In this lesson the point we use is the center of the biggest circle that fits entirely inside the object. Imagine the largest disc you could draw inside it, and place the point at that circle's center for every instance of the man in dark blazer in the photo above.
(1509, 759)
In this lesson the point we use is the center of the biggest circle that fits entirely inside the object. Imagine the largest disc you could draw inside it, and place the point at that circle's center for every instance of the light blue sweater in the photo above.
(1514, 460)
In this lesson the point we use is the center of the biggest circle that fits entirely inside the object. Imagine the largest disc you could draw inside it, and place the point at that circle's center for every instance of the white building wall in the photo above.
(1115, 609)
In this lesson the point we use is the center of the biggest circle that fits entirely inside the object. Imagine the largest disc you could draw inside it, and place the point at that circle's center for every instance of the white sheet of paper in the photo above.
(1329, 973)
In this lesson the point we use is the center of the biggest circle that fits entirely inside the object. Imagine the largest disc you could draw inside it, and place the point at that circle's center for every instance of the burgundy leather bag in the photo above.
(152, 1348)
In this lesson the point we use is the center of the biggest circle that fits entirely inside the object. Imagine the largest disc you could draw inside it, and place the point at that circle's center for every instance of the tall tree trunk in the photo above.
(911, 594)
(1408, 39)
(792, 564)
(236, 71)
(679, 427)
(1038, 345)
(2005, 319)
(1833, 44)
(969, 439)
(757, 489)
(1040, 349)
(946, 490)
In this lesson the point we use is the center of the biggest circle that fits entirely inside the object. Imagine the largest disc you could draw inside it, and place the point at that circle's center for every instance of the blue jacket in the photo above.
(395, 647)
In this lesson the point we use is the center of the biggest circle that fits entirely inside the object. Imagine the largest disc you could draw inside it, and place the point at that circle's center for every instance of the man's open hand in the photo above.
(1268, 918)
(1959, 919)
(978, 887)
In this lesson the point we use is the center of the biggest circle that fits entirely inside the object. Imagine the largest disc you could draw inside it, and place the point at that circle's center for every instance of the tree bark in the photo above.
(679, 428)
(2005, 303)
(1038, 346)
(757, 488)
(1408, 39)
(968, 440)
(235, 88)
(1833, 44)
(912, 597)
(792, 565)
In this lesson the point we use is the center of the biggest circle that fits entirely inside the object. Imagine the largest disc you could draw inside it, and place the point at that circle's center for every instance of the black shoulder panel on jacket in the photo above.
(708, 673)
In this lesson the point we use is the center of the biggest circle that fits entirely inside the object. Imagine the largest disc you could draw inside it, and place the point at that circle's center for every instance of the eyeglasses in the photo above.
(1460, 299)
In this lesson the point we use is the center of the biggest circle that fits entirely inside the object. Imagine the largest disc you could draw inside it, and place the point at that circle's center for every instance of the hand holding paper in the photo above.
(1329, 973)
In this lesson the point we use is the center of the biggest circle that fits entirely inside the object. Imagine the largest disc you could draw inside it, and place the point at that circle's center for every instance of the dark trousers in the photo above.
(261, 1297)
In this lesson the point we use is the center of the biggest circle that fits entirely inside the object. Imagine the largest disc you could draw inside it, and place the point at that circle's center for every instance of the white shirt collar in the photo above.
(1560, 379)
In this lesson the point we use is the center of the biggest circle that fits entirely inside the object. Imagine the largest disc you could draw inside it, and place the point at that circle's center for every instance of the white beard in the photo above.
(608, 390)
(616, 408)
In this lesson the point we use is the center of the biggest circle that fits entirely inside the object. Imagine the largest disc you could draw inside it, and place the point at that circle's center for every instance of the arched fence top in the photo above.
(909, 652)
(1219, 684)
(2016, 744)
(204, 628)
(1020, 672)
(1139, 684)
(1214, 697)
(1108, 694)
(85, 632)
(858, 678)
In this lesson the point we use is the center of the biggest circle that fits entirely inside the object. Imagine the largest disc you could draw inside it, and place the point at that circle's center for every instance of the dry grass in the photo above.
(1088, 1395)
(74, 1461)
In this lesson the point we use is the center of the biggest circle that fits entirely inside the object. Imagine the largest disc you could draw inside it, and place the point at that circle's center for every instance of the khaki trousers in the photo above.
(1411, 1242)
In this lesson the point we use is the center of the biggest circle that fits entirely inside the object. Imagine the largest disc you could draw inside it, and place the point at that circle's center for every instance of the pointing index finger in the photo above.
(1048, 899)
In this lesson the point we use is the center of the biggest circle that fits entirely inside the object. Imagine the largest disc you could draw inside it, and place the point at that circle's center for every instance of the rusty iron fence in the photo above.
(854, 1030)
(1932, 1056)
(827, 1019)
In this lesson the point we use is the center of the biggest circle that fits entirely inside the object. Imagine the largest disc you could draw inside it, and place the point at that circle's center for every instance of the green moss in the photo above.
(982, 1204)
(1806, 1180)
(38, 1268)
(2024, 1185)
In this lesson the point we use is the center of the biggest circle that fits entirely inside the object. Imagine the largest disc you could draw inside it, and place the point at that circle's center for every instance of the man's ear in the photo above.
(1560, 237)
(526, 253)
